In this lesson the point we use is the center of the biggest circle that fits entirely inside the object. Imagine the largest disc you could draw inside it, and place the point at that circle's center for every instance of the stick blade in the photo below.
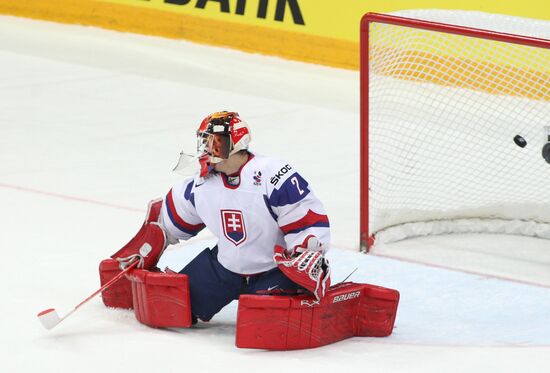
(49, 318)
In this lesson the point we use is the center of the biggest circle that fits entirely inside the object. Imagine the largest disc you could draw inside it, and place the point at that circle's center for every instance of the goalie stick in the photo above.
(50, 318)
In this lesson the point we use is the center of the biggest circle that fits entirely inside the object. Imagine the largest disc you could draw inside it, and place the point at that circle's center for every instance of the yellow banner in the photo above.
(319, 31)
(337, 19)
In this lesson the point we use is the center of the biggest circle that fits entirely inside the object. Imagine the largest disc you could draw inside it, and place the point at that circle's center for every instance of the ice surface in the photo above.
(92, 122)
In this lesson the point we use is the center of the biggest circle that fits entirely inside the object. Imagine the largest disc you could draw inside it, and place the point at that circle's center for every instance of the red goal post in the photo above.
(460, 77)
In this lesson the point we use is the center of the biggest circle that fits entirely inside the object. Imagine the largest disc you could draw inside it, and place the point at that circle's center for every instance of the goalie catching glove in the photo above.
(307, 268)
(148, 244)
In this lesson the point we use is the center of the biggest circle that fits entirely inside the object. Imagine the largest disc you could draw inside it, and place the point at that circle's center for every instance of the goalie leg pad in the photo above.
(119, 294)
(377, 311)
(299, 322)
(161, 300)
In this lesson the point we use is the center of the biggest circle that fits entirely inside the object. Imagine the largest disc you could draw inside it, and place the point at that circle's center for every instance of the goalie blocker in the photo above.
(146, 246)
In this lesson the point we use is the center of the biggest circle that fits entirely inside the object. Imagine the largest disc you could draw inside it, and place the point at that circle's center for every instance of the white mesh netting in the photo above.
(443, 112)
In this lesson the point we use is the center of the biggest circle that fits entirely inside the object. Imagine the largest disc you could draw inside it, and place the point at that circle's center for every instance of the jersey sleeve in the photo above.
(179, 217)
(298, 212)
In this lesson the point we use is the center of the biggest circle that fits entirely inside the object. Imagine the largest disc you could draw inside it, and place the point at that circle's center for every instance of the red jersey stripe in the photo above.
(311, 219)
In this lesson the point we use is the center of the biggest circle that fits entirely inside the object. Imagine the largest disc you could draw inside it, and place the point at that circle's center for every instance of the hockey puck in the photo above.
(546, 152)
(520, 141)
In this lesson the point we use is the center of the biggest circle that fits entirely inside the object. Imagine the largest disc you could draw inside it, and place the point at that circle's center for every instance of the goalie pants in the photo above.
(212, 286)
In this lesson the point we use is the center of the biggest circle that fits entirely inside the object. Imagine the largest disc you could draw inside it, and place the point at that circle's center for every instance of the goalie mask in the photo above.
(219, 136)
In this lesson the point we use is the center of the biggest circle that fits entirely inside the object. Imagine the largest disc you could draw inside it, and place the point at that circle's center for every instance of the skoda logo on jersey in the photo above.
(233, 226)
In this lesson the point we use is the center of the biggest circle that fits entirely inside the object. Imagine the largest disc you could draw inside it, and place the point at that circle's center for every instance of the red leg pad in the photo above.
(377, 312)
(292, 322)
(119, 294)
(161, 300)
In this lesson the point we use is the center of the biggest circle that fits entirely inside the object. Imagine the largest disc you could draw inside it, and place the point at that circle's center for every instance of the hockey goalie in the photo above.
(272, 236)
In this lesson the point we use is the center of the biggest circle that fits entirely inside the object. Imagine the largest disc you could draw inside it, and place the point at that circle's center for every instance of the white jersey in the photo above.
(268, 203)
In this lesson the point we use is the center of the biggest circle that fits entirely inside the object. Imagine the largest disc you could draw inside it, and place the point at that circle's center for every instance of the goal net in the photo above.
(454, 120)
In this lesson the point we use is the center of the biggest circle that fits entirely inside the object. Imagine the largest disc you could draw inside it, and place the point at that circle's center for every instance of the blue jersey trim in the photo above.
(293, 190)
(188, 195)
(177, 220)
(273, 215)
